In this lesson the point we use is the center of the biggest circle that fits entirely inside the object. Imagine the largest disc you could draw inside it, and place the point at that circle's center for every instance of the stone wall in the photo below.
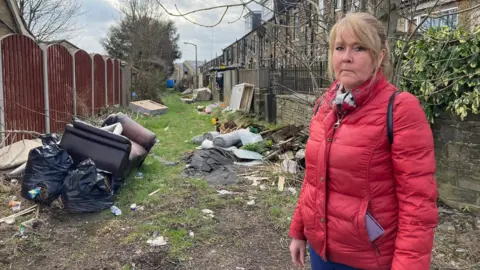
(296, 109)
(457, 151)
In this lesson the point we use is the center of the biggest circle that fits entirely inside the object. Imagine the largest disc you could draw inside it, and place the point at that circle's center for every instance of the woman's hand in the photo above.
(297, 251)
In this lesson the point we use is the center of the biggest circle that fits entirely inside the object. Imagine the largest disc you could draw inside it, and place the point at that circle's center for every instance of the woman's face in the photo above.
(352, 63)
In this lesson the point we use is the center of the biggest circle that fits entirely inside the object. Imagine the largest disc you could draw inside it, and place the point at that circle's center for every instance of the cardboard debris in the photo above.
(202, 94)
(149, 107)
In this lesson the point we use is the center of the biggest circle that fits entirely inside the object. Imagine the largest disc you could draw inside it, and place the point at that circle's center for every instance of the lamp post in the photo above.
(196, 64)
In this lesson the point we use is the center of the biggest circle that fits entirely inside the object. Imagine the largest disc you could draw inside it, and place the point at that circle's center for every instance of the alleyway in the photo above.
(244, 230)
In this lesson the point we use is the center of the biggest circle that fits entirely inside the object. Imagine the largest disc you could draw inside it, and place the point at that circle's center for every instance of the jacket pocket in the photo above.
(362, 225)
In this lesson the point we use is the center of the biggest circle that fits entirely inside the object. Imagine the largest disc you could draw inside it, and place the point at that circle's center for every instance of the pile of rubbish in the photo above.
(192, 96)
(231, 145)
(84, 168)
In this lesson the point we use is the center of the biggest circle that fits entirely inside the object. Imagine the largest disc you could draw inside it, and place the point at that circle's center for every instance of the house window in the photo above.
(248, 22)
(296, 26)
(321, 6)
(267, 9)
(254, 41)
(446, 17)
(338, 4)
(355, 5)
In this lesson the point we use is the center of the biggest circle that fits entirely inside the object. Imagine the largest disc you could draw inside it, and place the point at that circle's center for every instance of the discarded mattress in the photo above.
(16, 154)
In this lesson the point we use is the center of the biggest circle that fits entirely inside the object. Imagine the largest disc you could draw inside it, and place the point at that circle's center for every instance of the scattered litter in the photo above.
(300, 154)
(252, 163)
(14, 181)
(292, 190)
(187, 100)
(281, 183)
(248, 137)
(139, 175)
(207, 213)
(246, 154)
(187, 92)
(239, 268)
(191, 234)
(166, 128)
(15, 205)
(460, 250)
(255, 179)
(197, 140)
(21, 231)
(158, 140)
(157, 241)
(21, 213)
(206, 144)
(115, 210)
(133, 207)
(262, 187)
(224, 192)
(289, 166)
(32, 194)
(252, 202)
(165, 162)
(154, 192)
(10, 220)
(287, 155)
(211, 135)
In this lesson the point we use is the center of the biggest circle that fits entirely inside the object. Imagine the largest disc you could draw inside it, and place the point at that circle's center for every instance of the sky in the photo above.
(99, 15)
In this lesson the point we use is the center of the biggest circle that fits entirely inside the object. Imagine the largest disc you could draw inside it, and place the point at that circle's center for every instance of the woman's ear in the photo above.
(380, 58)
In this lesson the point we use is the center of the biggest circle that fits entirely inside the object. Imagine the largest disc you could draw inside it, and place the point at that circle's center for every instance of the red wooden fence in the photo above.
(116, 69)
(60, 86)
(99, 82)
(24, 69)
(83, 81)
(110, 92)
(22, 86)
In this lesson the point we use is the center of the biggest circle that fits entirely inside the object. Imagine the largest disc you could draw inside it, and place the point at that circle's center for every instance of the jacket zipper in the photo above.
(336, 125)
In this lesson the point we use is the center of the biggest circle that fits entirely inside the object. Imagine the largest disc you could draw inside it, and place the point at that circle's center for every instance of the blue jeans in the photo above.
(319, 264)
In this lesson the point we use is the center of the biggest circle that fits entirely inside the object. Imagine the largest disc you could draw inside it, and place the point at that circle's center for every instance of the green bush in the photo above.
(443, 70)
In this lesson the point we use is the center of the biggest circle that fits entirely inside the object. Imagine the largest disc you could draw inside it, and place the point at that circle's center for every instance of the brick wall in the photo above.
(296, 109)
(457, 151)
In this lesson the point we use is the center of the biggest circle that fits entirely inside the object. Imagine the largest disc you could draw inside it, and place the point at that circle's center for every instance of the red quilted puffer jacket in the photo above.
(353, 169)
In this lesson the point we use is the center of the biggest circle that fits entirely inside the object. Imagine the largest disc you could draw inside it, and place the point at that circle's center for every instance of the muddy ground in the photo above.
(242, 237)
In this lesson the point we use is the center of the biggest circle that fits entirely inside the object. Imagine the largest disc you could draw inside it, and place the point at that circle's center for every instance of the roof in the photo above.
(192, 63)
(19, 21)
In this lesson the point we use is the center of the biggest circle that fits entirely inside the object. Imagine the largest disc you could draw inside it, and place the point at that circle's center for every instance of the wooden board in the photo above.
(149, 107)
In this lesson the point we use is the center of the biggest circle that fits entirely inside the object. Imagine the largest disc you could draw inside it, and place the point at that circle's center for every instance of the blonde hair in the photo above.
(369, 33)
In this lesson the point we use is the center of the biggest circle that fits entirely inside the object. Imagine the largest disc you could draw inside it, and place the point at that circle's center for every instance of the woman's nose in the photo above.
(347, 56)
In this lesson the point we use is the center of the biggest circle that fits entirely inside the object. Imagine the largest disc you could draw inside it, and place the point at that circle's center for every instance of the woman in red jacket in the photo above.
(366, 202)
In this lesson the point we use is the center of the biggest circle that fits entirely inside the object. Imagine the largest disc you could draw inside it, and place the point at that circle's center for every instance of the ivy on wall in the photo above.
(442, 69)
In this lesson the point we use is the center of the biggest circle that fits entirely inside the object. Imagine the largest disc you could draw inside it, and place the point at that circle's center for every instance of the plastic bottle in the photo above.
(115, 210)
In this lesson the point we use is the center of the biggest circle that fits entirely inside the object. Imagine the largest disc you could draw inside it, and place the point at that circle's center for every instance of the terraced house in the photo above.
(295, 31)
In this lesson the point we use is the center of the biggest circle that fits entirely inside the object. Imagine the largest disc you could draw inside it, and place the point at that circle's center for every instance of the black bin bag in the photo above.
(47, 166)
(86, 190)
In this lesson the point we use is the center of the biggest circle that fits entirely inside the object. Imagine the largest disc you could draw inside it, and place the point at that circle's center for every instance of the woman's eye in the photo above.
(358, 48)
(339, 48)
